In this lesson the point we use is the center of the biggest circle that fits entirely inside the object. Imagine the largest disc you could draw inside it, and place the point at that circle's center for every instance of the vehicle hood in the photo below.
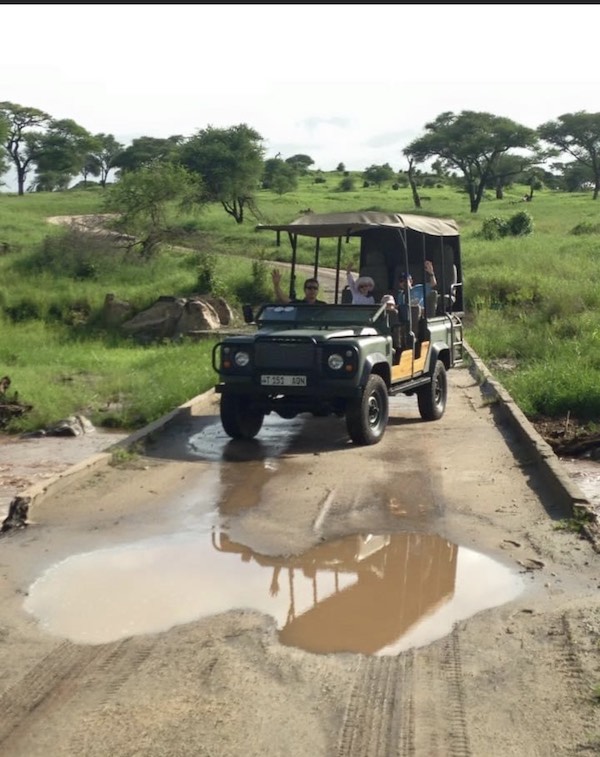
(318, 336)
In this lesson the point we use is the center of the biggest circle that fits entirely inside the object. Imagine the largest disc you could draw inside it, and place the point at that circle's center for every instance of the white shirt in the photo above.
(358, 298)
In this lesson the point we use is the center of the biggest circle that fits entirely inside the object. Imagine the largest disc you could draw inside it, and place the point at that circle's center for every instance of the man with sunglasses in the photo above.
(311, 291)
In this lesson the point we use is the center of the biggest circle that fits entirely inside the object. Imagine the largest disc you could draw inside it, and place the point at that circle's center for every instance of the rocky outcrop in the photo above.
(170, 317)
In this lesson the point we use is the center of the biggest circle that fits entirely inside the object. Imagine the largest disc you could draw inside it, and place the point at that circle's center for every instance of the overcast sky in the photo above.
(341, 83)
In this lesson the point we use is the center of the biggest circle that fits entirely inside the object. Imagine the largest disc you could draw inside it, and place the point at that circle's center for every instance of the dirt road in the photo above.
(521, 678)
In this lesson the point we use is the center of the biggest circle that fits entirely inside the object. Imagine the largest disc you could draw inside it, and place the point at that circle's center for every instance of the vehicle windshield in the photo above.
(334, 315)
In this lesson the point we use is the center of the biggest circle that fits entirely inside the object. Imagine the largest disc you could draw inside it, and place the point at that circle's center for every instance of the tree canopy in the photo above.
(300, 162)
(146, 151)
(230, 164)
(26, 126)
(60, 154)
(471, 142)
(142, 199)
(102, 154)
(378, 174)
(279, 176)
(578, 135)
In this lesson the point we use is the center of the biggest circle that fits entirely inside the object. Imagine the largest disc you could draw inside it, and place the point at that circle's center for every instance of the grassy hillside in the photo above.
(533, 302)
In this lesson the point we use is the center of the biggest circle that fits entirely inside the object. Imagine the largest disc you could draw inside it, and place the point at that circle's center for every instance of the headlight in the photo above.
(241, 359)
(335, 361)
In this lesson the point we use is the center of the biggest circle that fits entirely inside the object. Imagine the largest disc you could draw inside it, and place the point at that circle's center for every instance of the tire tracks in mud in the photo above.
(408, 705)
(65, 688)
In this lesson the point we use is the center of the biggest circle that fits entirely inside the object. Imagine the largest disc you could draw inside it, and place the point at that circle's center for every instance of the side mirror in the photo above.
(248, 313)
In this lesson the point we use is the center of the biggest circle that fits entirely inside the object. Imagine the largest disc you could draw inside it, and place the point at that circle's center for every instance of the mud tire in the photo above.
(367, 417)
(432, 397)
(239, 419)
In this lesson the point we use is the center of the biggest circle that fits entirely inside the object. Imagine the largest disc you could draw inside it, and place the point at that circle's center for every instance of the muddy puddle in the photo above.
(373, 594)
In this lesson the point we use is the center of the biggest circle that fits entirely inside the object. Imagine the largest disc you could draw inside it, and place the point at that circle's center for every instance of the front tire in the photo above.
(240, 420)
(432, 397)
(367, 417)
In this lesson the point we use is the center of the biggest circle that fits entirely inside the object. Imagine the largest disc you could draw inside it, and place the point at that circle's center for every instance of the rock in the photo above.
(197, 315)
(220, 305)
(18, 511)
(173, 317)
(115, 311)
(159, 321)
(74, 425)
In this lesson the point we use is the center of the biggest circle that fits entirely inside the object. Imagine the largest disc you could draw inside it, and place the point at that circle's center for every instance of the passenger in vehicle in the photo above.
(415, 294)
(361, 288)
(390, 303)
(311, 291)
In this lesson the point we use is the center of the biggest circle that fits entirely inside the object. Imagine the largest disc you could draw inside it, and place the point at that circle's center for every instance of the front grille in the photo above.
(288, 354)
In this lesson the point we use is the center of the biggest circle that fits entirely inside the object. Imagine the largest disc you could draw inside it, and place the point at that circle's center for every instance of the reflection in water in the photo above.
(374, 594)
(275, 436)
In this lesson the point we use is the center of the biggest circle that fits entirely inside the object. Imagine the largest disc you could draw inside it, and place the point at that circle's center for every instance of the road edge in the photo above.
(548, 462)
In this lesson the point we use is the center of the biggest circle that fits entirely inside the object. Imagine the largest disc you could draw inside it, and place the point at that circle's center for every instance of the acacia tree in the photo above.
(143, 199)
(60, 154)
(301, 163)
(230, 164)
(146, 151)
(22, 138)
(100, 158)
(578, 135)
(279, 176)
(471, 142)
(506, 170)
(378, 174)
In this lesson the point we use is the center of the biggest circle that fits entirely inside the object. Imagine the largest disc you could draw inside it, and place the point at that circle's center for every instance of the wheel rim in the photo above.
(439, 392)
(374, 411)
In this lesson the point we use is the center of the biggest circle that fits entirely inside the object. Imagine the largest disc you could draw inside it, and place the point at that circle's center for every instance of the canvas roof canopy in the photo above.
(353, 223)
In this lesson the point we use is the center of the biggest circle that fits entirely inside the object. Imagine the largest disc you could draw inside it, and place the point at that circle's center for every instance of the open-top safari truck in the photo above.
(342, 359)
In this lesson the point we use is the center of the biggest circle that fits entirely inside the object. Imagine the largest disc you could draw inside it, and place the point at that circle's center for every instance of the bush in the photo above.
(585, 228)
(521, 224)
(74, 254)
(208, 281)
(346, 184)
(258, 289)
(494, 228)
(518, 225)
(25, 310)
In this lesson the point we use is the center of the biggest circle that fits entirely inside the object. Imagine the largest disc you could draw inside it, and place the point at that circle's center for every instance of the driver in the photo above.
(311, 291)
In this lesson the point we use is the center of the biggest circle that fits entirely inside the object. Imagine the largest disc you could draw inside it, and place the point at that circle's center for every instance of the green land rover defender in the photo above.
(344, 359)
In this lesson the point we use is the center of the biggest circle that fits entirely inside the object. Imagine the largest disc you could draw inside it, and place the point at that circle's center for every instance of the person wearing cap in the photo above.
(361, 288)
(414, 294)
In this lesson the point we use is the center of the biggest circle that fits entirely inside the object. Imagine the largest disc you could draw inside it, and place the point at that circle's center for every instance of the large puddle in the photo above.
(373, 594)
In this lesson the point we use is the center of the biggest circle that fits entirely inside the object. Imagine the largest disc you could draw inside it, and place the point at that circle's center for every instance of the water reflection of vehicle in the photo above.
(359, 594)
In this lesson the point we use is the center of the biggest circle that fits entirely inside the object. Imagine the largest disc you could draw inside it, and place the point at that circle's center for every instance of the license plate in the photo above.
(283, 380)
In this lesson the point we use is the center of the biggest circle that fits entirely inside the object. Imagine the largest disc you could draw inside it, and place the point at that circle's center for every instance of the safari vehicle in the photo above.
(342, 359)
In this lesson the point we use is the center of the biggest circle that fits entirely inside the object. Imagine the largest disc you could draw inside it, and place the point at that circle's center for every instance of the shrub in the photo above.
(346, 184)
(208, 281)
(25, 310)
(585, 228)
(74, 254)
(494, 228)
(520, 224)
(258, 289)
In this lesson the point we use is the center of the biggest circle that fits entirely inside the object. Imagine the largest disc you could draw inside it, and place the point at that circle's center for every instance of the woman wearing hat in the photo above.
(361, 288)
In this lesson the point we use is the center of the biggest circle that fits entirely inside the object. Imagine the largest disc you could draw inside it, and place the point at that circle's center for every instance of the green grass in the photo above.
(532, 302)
